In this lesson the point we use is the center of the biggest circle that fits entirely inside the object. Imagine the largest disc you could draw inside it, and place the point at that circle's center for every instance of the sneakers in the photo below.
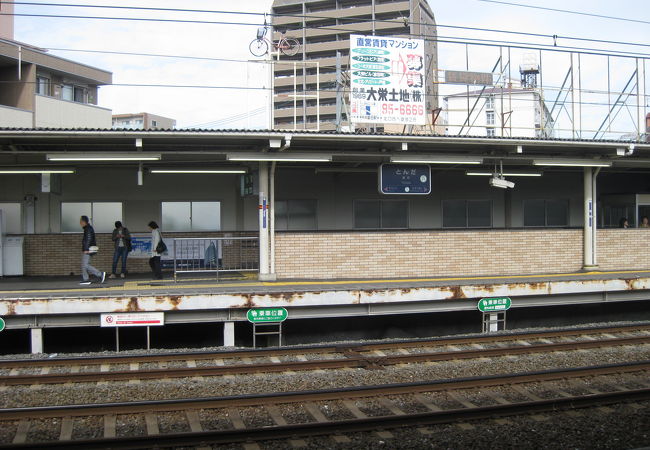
(111, 276)
(103, 277)
(84, 283)
(122, 275)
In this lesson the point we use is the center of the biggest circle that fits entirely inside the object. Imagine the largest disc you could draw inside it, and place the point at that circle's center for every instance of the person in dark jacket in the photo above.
(87, 243)
(122, 240)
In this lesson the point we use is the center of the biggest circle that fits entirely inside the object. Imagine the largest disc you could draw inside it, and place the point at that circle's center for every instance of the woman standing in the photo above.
(154, 261)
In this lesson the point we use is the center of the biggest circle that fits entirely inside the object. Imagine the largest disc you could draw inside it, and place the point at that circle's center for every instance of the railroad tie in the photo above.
(427, 403)
(526, 393)
(319, 417)
(134, 366)
(278, 419)
(466, 404)
(570, 412)
(110, 422)
(236, 419)
(21, 432)
(194, 420)
(151, 421)
(66, 429)
(220, 362)
(352, 407)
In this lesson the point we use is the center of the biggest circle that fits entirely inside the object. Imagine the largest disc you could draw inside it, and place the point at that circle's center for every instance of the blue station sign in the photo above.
(405, 179)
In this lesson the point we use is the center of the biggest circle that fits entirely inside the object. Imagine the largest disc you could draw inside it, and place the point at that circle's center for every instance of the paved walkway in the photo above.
(46, 287)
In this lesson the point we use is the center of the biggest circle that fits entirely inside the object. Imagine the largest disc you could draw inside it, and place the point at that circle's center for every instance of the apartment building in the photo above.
(40, 90)
(143, 121)
(323, 28)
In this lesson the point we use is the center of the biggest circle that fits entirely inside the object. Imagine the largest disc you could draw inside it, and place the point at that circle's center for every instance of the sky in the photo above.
(248, 105)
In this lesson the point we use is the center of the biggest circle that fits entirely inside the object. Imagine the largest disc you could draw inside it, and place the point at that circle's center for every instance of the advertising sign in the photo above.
(132, 319)
(405, 179)
(141, 244)
(387, 80)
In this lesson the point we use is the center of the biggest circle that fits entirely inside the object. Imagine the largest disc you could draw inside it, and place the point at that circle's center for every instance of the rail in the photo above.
(215, 254)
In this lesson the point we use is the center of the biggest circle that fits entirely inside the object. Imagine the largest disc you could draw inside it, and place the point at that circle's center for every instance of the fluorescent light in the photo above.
(505, 174)
(103, 157)
(36, 171)
(198, 171)
(435, 160)
(572, 163)
(280, 157)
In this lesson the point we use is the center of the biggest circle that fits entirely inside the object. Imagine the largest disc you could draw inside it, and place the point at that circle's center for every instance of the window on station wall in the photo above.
(467, 213)
(296, 215)
(12, 214)
(546, 213)
(387, 214)
(102, 215)
(42, 85)
(191, 216)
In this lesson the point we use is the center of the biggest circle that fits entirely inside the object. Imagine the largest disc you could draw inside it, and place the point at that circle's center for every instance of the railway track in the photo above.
(369, 356)
(502, 395)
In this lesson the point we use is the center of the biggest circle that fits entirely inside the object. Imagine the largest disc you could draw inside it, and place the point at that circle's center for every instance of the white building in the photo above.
(497, 111)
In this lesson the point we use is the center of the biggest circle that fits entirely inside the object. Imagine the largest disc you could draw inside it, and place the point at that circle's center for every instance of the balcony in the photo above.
(15, 118)
(55, 113)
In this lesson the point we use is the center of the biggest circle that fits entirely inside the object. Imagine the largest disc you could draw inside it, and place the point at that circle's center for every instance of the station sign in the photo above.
(494, 304)
(3, 325)
(405, 179)
(266, 315)
(148, 319)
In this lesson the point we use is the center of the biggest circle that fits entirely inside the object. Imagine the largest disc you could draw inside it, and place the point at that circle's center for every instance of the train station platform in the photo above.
(60, 299)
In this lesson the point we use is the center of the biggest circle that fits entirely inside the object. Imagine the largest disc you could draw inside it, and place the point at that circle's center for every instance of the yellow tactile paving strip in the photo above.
(170, 285)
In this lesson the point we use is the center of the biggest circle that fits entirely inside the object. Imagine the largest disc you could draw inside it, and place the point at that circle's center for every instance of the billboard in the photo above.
(387, 80)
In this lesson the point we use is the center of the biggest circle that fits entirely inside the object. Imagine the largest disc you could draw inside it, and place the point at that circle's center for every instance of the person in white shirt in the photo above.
(154, 261)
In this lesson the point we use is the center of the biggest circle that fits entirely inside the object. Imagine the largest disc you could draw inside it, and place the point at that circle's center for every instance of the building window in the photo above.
(489, 117)
(42, 86)
(295, 215)
(11, 218)
(79, 94)
(154, 123)
(102, 215)
(546, 213)
(489, 102)
(381, 214)
(490, 131)
(191, 216)
(466, 214)
(67, 92)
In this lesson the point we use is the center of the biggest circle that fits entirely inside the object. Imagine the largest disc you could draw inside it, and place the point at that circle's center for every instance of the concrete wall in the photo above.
(427, 253)
(7, 20)
(18, 93)
(15, 118)
(55, 113)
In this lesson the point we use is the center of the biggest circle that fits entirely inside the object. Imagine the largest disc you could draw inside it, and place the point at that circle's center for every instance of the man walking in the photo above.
(88, 248)
(122, 240)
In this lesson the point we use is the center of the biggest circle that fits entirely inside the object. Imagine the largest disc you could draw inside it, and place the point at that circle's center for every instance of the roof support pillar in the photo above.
(264, 222)
(590, 222)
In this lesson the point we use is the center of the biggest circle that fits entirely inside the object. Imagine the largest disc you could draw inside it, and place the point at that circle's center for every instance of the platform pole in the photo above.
(589, 220)
(264, 222)
(229, 334)
(37, 340)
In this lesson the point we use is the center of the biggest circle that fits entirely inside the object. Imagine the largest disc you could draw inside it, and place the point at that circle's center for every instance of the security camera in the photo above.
(501, 183)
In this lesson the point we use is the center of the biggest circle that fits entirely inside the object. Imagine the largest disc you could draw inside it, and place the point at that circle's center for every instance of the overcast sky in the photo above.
(216, 107)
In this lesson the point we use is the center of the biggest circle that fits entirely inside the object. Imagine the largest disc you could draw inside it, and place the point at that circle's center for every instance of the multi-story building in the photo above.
(497, 111)
(38, 89)
(323, 28)
(143, 121)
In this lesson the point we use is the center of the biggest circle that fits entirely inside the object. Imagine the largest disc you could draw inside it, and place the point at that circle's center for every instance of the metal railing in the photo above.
(215, 254)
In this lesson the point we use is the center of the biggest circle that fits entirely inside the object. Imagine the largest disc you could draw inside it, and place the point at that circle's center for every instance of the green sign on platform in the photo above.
(494, 304)
(265, 315)
(2, 324)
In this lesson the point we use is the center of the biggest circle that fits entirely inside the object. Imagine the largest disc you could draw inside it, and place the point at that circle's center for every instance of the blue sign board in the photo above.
(409, 179)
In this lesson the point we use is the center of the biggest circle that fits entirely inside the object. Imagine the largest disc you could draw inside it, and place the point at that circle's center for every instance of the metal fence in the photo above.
(215, 254)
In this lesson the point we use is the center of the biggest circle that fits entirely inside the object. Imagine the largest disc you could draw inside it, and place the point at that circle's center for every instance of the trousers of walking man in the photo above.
(88, 249)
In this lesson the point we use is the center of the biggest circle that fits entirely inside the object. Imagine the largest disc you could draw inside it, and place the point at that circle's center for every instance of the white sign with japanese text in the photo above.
(132, 319)
(387, 80)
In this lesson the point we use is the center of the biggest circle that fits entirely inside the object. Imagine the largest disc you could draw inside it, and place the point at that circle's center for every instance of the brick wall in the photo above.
(624, 249)
(427, 253)
(60, 254)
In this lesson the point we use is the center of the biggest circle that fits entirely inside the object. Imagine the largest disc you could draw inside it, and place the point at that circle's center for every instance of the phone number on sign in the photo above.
(403, 109)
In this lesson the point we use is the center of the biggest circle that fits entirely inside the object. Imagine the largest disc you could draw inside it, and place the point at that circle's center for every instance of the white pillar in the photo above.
(229, 334)
(37, 340)
(264, 221)
(576, 96)
(589, 219)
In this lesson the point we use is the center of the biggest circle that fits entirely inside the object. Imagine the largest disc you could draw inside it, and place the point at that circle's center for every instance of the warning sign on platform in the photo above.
(387, 80)
(151, 319)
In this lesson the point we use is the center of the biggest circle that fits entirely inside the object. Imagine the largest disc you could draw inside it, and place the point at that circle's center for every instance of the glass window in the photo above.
(489, 117)
(11, 218)
(42, 86)
(489, 102)
(206, 216)
(79, 94)
(281, 216)
(301, 215)
(381, 214)
(490, 131)
(67, 92)
(176, 216)
(546, 213)
(466, 213)
(191, 216)
(102, 215)
(367, 214)
(454, 214)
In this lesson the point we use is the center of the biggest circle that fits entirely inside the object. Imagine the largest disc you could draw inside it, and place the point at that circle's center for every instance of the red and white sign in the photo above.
(151, 319)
